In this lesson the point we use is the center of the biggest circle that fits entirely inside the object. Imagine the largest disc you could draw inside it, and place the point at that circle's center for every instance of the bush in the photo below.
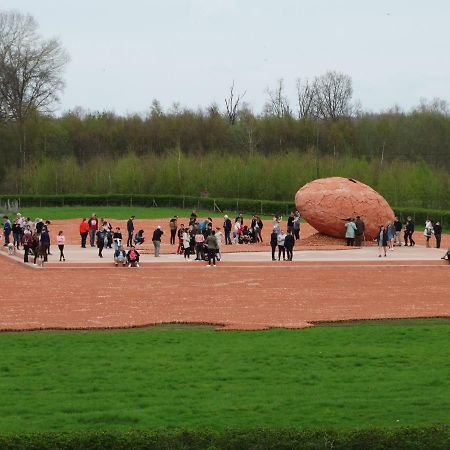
(437, 438)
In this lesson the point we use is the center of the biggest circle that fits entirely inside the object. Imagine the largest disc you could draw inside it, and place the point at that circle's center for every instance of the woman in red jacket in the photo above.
(84, 231)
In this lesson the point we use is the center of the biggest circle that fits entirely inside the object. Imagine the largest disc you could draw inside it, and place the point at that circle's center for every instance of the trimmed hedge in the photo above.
(420, 215)
(437, 438)
(170, 201)
(224, 204)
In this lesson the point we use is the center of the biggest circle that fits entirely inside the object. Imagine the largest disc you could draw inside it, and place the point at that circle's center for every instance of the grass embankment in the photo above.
(325, 377)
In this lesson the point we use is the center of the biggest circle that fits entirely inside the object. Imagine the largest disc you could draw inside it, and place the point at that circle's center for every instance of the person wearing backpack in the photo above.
(100, 241)
(27, 243)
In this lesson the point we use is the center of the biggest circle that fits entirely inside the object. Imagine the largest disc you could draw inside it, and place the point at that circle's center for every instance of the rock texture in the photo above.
(326, 203)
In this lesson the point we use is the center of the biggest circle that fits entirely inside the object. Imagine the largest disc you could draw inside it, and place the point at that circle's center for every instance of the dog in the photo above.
(11, 249)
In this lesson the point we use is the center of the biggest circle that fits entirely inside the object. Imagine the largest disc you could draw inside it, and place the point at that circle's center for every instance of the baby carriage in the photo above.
(120, 257)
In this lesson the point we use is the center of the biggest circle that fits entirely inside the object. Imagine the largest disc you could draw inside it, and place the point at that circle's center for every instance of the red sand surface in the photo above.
(237, 296)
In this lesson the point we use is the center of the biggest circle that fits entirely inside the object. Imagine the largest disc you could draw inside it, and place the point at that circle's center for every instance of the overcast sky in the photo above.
(125, 53)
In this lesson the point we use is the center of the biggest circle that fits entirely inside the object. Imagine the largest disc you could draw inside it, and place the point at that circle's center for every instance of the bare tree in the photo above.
(30, 71)
(436, 105)
(232, 104)
(333, 92)
(277, 104)
(306, 98)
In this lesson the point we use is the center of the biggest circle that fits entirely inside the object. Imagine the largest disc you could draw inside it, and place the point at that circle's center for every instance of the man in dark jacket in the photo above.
(289, 242)
(7, 228)
(398, 230)
(45, 243)
(274, 242)
(359, 233)
(437, 228)
(157, 240)
(130, 229)
(409, 231)
(227, 229)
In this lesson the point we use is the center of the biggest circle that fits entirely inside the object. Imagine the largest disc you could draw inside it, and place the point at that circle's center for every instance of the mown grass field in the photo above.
(376, 374)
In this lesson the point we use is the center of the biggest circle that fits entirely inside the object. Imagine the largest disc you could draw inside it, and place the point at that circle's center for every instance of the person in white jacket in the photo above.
(428, 232)
(186, 244)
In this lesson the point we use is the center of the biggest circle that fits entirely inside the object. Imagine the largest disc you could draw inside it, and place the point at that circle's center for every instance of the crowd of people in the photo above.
(199, 238)
(390, 235)
(33, 236)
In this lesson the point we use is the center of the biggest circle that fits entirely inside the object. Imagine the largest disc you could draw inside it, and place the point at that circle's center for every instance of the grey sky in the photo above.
(125, 53)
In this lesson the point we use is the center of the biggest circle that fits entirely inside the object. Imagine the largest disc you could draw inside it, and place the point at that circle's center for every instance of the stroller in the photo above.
(120, 256)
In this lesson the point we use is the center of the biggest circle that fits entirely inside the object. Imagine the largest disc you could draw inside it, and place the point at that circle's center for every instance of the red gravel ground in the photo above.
(237, 296)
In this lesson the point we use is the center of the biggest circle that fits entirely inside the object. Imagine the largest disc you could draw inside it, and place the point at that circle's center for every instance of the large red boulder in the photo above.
(327, 202)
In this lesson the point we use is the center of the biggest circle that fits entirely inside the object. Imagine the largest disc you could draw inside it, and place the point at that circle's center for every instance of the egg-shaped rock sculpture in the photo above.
(326, 203)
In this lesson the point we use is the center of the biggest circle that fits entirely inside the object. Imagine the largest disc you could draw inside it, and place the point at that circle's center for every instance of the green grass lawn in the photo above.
(347, 377)
(119, 212)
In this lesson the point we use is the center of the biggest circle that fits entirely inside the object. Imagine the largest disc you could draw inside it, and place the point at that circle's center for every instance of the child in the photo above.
(61, 240)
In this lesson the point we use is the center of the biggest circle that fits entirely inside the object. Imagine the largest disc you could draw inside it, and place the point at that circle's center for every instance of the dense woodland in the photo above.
(404, 156)
(224, 150)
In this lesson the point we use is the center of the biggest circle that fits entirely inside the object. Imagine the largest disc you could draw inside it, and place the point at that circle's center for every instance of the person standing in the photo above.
(157, 240)
(45, 242)
(281, 249)
(359, 232)
(93, 227)
(130, 230)
(276, 224)
(274, 241)
(16, 232)
(100, 241)
(289, 242)
(180, 233)
(428, 232)
(290, 222)
(437, 234)
(117, 238)
(61, 240)
(27, 243)
(173, 225)
(227, 229)
(398, 231)
(186, 244)
(382, 240)
(7, 228)
(297, 221)
(199, 240)
(84, 231)
(211, 244)
(409, 231)
(219, 243)
(259, 227)
(390, 230)
(350, 232)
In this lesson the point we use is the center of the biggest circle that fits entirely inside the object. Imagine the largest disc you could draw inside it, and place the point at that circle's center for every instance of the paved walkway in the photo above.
(78, 256)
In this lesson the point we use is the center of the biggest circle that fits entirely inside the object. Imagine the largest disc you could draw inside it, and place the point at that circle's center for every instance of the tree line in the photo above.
(323, 126)
(218, 175)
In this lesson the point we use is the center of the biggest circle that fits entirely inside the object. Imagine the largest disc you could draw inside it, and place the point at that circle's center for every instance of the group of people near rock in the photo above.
(390, 235)
(199, 238)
